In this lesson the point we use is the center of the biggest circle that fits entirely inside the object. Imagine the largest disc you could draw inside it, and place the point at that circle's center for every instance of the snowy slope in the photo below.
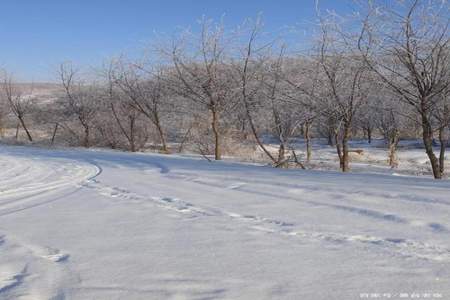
(77, 224)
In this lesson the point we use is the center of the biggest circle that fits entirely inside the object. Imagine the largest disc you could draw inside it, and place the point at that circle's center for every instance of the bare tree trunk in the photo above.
(161, 134)
(54, 133)
(215, 129)
(330, 139)
(393, 143)
(25, 128)
(342, 147)
(427, 135)
(443, 139)
(17, 131)
(369, 135)
(255, 134)
(282, 163)
(307, 135)
(345, 157)
(2, 129)
(86, 143)
(330, 133)
(185, 138)
(132, 134)
(338, 148)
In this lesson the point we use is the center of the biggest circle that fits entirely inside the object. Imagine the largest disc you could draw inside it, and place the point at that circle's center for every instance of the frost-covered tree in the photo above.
(407, 44)
(19, 103)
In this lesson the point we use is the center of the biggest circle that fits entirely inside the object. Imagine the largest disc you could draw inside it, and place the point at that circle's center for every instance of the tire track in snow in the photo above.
(49, 176)
(20, 260)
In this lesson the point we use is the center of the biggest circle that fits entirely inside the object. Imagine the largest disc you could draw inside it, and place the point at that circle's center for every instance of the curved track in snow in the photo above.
(27, 270)
(23, 179)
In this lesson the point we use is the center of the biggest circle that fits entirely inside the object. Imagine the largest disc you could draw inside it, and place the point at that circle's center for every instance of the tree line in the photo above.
(383, 71)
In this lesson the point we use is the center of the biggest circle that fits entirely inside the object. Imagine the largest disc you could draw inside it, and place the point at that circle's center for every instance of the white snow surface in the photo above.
(95, 224)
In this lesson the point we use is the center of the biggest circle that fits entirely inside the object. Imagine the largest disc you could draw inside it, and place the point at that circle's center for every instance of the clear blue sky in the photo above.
(37, 35)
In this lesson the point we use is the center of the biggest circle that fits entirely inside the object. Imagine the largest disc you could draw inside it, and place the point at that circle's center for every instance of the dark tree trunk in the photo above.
(443, 139)
(427, 135)
(17, 131)
(282, 163)
(342, 146)
(215, 129)
(330, 139)
(22, 121)
(161, 134)
(307, 135)
(86, 142)
(345, 138)
(54, 133)
(338, 148)
(132, 135)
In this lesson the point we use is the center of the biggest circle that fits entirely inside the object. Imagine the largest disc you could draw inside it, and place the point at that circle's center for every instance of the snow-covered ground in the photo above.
(412, 160)
(91, 224)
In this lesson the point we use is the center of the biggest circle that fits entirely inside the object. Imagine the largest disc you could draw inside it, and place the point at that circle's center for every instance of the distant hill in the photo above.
(43, 92)
(38, 88)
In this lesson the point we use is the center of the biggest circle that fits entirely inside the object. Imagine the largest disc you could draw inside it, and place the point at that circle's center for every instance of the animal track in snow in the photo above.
(21, 260)
(403, 247)
(55, 255)
(235, 185)
(296, 189)
(169, 203)
(9, 280)
(48, 253)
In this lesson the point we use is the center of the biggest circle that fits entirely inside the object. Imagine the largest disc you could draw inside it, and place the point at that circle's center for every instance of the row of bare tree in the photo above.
(383, 71)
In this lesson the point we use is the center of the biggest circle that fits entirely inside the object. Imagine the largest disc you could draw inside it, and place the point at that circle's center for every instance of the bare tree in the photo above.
(80, 101)
(123, 109)
(147, 94)
(388, 120)
(304, 90)
(346, 79)
(19, 103)
(248, 72)
(407, 45)
(366, 121)
(3, 113)
(200, 74)
(441, 115)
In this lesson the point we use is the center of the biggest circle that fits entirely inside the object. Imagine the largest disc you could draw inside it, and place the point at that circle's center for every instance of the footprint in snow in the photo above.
(235, 186)
(10, 280)
(436, 227)
(55, 255)
(51, 254)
